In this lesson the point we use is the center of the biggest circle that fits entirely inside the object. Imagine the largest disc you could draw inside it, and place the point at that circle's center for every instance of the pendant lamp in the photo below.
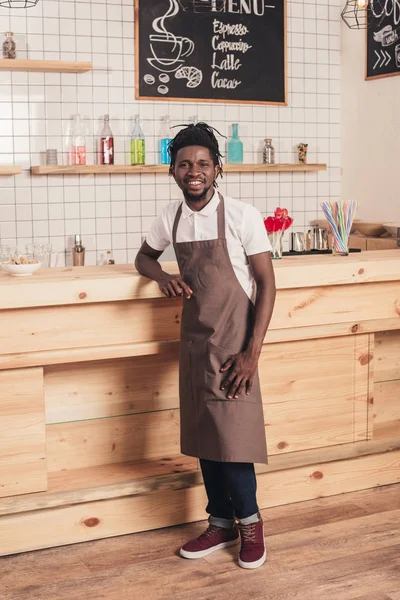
(354, 14)
(18, 3)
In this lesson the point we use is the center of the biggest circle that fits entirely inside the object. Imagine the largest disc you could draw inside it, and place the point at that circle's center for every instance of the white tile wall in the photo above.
(112, 212)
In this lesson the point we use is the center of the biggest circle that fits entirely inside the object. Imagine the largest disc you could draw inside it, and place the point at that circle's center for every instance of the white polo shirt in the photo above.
(245, 232)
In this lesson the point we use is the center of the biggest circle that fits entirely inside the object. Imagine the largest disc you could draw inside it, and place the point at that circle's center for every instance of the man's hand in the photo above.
(173, 286)
(242, 368)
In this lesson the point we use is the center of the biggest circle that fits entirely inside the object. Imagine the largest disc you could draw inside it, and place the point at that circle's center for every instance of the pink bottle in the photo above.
(78, 142)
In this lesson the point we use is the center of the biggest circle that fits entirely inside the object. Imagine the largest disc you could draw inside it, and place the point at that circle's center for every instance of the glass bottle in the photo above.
(9, 47)
(165, 139)
(235, 146)
(138, 148)
(110, 258)
(106, 143)
(78, 142)
(268, 152)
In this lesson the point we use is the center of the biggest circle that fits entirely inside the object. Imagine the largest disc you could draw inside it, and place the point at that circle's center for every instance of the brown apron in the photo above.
(217, 322)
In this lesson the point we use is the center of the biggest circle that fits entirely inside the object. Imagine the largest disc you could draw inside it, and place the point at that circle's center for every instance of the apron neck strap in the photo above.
(176, 222)
(220, 217)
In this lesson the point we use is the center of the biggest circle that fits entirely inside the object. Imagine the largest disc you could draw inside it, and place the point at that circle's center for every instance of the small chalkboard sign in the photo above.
(383, 39)
(215, 50)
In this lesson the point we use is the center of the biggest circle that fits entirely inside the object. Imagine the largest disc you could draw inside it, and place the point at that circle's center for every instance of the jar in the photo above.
(268, 152)
(9, 48)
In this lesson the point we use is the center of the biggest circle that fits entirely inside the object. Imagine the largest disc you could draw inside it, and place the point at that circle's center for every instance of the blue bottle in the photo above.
(165, 138)
(235, 146)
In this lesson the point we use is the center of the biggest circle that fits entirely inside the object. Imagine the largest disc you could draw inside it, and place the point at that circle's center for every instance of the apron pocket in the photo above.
(216, 357)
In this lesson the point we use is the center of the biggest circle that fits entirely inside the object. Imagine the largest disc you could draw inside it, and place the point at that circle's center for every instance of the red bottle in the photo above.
(106, 143)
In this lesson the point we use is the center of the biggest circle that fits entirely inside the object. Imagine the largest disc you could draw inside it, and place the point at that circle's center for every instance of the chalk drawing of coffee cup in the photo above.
(397, 55)
(169, 51)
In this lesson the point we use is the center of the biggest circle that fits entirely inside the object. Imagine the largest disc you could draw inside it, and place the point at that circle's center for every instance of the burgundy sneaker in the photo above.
(213, 538)
(252, 551)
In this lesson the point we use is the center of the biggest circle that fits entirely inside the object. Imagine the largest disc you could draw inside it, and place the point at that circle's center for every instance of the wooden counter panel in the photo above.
(120, 351)
(112, 323)
(65, 327)
(306, 404)
(116, 439)
(108, 388)
(387, 356)
(94, 520)
(386, 417)
(310, 307)
(22, 432)
(117, 480)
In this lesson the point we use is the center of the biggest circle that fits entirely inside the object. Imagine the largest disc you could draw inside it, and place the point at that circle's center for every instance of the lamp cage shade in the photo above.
(354, 16)
(18, 3)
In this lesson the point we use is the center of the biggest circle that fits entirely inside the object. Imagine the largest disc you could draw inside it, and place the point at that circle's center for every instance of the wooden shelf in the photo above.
(261, 168)
(137, 169)
(98, 169)
(45, 66)
(10, 170)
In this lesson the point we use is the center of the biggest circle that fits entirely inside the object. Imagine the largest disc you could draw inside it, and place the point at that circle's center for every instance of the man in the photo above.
(222, 251)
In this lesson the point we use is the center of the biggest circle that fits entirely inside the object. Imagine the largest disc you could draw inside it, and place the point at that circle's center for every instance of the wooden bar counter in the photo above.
(89, 417)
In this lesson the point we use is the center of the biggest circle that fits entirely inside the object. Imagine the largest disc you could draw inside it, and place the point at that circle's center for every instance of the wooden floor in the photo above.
(339, 548)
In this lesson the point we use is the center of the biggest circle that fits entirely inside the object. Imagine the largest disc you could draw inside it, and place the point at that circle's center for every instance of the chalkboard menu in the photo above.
(383, 39)
(215, 50)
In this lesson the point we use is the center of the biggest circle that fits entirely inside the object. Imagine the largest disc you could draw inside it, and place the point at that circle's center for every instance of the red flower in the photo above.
(281, 213)
(287, 223)
(279, 222)
(272, 224)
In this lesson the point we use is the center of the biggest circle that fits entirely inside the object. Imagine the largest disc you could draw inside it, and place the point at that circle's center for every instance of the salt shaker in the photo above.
(9, 47)
(268, 152)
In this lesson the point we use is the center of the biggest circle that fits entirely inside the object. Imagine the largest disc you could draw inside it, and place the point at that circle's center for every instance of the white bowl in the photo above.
(392, 228)
(20, 270)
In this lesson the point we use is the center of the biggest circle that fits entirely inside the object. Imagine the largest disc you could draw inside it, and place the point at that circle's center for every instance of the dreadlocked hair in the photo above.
(199, 134)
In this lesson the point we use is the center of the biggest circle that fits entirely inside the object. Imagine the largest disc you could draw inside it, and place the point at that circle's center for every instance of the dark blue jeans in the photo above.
(231, 489)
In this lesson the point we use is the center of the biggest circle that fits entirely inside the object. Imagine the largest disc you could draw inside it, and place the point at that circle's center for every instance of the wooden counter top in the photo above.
(80, 285)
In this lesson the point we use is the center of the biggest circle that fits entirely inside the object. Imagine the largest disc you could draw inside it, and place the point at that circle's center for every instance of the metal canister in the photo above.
(319, 239)
(297, 241)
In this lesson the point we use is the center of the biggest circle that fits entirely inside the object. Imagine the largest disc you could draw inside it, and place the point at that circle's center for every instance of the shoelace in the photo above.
(210, 531)
(248, 532)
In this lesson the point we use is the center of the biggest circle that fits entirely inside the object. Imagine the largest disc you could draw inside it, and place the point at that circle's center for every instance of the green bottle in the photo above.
(235, 146)
(138, 148)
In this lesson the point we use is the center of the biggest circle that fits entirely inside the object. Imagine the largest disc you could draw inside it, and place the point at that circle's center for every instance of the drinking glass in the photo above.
(42, 253)
(6, 253)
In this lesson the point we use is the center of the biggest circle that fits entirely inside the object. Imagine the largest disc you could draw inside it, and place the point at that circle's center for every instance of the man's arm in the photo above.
(243, 366)
(147, 265)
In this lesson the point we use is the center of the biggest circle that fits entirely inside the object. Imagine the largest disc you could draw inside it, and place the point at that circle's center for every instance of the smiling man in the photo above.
(228, 288)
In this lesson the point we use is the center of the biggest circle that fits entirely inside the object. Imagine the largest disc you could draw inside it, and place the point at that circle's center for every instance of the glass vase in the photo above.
(276, 241)
(340, 249)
